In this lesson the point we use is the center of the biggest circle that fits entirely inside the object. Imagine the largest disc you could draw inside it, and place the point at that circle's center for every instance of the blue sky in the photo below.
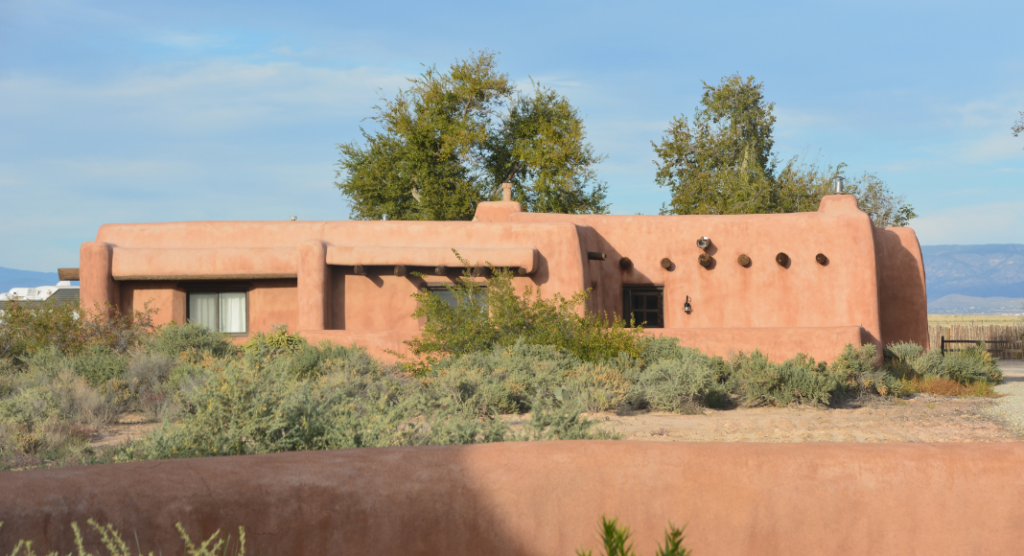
(165, 111)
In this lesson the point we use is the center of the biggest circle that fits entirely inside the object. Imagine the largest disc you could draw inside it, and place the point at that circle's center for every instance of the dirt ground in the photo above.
(923, 418)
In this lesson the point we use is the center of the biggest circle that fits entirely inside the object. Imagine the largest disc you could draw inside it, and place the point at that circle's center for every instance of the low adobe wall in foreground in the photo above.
(547, 498)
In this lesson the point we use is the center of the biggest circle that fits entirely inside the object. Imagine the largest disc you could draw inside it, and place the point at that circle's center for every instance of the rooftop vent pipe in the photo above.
(838, 183)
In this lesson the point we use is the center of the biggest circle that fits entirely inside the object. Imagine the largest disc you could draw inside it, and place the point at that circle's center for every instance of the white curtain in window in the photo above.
(232, 312)
(202, 309)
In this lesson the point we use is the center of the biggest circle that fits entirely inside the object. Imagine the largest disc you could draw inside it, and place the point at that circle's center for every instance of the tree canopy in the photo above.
(721, 162)
(449, 140)
(1018, 127)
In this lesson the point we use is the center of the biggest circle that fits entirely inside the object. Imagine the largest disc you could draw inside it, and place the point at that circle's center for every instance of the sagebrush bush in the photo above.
(50, 410)
(146, 377)
(909, 361)
(190, 341)
(683, 383)
(259, 405)
(973, 364)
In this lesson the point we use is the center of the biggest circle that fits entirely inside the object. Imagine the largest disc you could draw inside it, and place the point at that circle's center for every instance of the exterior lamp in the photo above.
(686, 306)
(703, 242)
(838, 183)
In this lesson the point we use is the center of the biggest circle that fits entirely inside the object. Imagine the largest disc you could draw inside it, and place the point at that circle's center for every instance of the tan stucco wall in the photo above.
(871, 290)
(902, 299)
(547, 498)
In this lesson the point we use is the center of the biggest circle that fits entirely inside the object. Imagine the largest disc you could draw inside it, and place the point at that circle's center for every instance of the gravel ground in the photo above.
(1010, 408)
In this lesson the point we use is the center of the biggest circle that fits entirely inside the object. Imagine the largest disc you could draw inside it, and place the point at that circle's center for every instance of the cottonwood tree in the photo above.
(449, 140)
(721, 162)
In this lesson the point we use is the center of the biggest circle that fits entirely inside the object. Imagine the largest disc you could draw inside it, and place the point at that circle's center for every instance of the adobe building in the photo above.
(782, 283)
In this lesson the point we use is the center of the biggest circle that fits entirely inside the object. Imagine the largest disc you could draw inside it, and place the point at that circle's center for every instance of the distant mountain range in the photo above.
(974, 279)
(13, 278)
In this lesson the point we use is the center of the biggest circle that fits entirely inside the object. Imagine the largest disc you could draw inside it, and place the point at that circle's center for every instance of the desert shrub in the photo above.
(116, 546)
(971, 365)
(247, 408)
(118, 331)
(759, 381)
(49, 410)
(484, 317)
(682, 383)
(277, 342)
(146, 377)
(554, 420)
(27, 329)
(909, 361)
(615, 539)
(99, 364)
(190, 341)
(503, 379)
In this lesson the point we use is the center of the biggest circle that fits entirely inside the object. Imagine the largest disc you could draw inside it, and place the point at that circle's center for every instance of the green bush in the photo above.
(190, 341)
(276, 343)
(683, 384)
(971, 365)
(487, 316)
(28, 329)
(248, 408)
(99, 364)
(909, 361)
(49, 411)
(759, 381)
(616, 541)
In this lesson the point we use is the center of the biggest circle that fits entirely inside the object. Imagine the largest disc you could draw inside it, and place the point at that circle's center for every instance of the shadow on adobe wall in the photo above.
(546, 498)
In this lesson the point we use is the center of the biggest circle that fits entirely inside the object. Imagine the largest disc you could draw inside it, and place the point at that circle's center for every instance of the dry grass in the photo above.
(946, 387)
(976, 320)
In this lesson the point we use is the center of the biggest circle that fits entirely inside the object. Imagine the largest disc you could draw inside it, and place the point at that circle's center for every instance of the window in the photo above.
(646, 304)
(448, 297)
(221, 311)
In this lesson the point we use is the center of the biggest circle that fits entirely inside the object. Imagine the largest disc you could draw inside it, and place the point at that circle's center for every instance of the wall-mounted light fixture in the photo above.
(440, 270)
(400, 270)
(686, 306)
(703, 242)
(359, 269)
(744, 261)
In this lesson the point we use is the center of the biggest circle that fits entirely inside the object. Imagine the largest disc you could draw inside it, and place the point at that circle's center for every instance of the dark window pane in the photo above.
(644, 304)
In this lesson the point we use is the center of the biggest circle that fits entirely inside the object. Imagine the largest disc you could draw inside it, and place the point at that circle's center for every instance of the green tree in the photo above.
(449, 140)
(721, 162)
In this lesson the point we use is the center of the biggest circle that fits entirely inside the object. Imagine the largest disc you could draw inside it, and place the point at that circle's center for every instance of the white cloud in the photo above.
(971, 224)
(995, 147)
(200, 97)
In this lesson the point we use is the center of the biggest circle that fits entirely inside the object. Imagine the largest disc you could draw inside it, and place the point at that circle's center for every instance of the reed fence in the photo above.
(1010, 337)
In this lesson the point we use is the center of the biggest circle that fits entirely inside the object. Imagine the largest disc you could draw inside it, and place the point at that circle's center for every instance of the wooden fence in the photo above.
(988, 333)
